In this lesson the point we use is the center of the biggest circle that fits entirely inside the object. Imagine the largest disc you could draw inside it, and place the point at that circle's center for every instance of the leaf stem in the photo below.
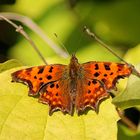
(91, 34)
(19, 29)
(126, 121)
(34, 27)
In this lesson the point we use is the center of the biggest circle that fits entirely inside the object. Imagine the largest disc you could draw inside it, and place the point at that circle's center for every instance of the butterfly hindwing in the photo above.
(106, 72)
(37, 76)
(89, 95)
(57, 96)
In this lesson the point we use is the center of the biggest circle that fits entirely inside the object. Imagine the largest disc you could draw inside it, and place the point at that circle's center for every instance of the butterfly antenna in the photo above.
(61, 44)
(91, 34)
(19, 29)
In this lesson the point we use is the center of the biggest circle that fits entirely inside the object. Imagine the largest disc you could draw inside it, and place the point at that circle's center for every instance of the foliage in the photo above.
(24, 118)
(21, 116)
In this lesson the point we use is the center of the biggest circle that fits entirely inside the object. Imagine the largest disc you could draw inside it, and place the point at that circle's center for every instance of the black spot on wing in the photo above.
(105, 75)
(107, 67)
(89, 83)
(35, 77)
(94, 81)
(89, 91)
(51, 68)
(56, 94)
(96, 67)
(96, 74)
(40, 78)
(111, 73)
(103, 80)
(52, 85)
(41, 70)
(119, 69)
(49, 77)
(57, 86)
(28, 73)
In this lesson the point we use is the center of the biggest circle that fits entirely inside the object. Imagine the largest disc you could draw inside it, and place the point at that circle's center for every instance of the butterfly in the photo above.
(64, 87)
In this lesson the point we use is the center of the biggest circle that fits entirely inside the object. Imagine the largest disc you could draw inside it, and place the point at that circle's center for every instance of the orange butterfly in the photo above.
(81, 85)
(64, 86)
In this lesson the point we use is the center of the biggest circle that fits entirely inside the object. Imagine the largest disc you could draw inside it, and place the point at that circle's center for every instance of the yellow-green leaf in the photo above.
(131, 95)
(22, 117)
(9, 64)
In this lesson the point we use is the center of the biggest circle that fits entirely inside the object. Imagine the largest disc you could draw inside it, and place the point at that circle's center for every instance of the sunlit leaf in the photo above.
(132, 55)
(125, 133)
(22, 117)
(131, 95)
(9, 64)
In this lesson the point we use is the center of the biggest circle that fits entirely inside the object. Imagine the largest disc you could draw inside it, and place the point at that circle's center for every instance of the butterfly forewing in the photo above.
(106, 72)
(37, 76)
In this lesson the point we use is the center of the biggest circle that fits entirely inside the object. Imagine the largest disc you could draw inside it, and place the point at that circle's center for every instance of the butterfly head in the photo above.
(74, 59)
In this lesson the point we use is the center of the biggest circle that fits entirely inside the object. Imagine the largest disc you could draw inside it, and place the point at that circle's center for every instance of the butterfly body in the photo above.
(64, 86)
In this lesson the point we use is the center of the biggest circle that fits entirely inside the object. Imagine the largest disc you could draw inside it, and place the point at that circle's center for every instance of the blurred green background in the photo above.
(115, 21)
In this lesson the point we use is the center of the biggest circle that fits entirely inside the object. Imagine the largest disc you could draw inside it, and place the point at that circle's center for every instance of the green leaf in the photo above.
(124, 133)
(22, 117)
(132, 55)
(9, 64)
(131, 95)
(26, 9)
(87, 50)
